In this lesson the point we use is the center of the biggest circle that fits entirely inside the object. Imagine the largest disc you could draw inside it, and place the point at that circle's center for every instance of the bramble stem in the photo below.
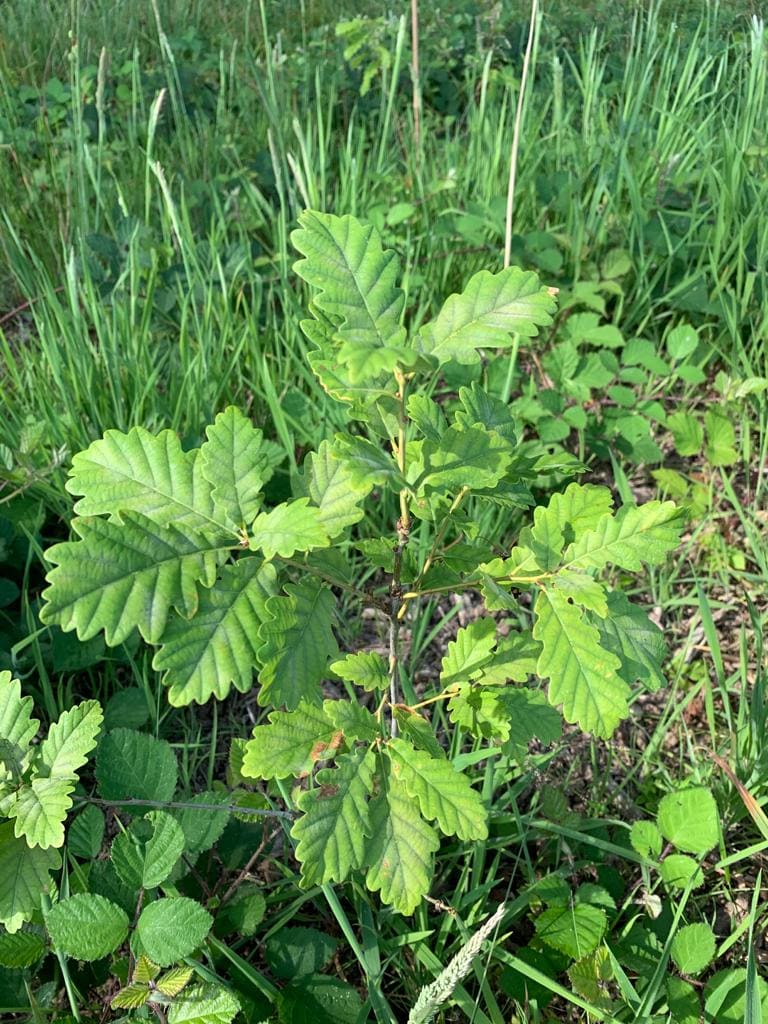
(180, 805)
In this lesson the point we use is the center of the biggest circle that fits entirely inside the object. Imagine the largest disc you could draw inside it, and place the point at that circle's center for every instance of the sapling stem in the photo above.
(433, 550)
(403, 532)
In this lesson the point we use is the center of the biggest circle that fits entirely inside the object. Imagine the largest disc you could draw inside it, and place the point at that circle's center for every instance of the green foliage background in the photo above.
(154, 160)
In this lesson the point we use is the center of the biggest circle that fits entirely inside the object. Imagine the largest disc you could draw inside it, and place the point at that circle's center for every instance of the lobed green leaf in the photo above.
(17, 726)
(401, 846)
(336, 489)
(636, 535)
(145, 473)
(235, 463)
(125, 576)
(356, 282)
(24, 876)
(65, 750)
(486, 314)
(583, 676)
(40, 810)
(218, 648)
(443, 794)
(290, 527)
(332, 830)
(296, 644)
(291, 744)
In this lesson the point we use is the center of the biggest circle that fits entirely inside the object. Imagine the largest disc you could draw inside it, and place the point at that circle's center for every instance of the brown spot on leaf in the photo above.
(321, 751)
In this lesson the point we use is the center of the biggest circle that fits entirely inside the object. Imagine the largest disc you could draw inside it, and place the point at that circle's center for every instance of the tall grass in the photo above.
(149, 200)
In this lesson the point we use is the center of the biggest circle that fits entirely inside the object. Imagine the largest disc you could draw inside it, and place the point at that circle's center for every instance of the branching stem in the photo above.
(445, 695)
(503, 581)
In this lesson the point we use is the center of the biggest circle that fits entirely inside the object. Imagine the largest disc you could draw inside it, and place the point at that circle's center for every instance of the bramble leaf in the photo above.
(291, 744)
(65, 750)
(486, 314)
(235, 463)
(295, 952)
(689, 819)
(131, 997)
(336, 490)
(332, 831)
(163, 849)
(123, 576)
(172, 928)
(687, 432)
(145, 473)
(678, 869)
(296, 643)
(173, 981)
(400, 849)
(443, 794)
(243, 913)
(202, 827)
(636, 535)
(575, 930)
(146, 854)
(135, 765)
(204, 1004)
(356, 282)
(321, 999)
(646, 839)
(720, 449)
(583, 676)
(87, 926)
(218, 648)
(693, 948)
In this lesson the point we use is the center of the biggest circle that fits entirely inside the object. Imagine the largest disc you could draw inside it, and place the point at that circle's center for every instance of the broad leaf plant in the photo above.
(36, 786)
(183, 547)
